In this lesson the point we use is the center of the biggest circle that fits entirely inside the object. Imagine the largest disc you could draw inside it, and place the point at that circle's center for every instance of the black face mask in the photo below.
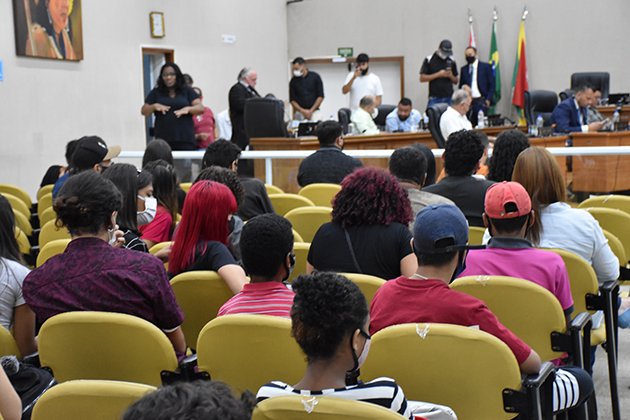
(470, 59)
(365, 71)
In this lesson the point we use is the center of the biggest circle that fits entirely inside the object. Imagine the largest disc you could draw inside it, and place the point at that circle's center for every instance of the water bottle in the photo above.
(615, 120)
(480, 119)
(540, 121)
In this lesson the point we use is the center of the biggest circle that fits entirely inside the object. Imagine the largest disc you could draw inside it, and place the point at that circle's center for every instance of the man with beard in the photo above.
(440, 70)
(402, 119)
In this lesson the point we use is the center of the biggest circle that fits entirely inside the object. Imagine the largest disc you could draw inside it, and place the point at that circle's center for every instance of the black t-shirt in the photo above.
(328, 165)
(378, 249)
(441, 87)
(133, 241)
(178, 132)
(255, 201)
(211, 255)
(305, 90)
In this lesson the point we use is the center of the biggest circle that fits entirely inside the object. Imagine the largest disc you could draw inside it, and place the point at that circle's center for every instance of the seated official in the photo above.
(571, 115)
(362, 117)
(592, 114)
(328, 164)
(93, 275)
(267, 250)
(454, 118)
(404, 118)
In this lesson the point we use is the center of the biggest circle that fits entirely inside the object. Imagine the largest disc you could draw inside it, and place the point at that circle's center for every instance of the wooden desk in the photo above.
(608, 111)
(601, 173)
(285, 170)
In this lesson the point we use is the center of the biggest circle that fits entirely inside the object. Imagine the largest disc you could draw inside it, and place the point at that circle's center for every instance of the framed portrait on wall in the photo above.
(48, 29)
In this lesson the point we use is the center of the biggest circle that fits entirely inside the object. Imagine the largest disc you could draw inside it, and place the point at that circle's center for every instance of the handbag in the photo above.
(29, 382)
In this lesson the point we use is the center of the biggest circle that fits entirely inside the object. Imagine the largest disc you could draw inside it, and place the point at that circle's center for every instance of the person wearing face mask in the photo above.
(361, 83)
(330, 322)
(157, 215)
(440, 70)
(404, 118)
(454, 118)
(363, 117)
(306, 92)
(267, 251)
(440, 243)
(478, 79)
(92, 275)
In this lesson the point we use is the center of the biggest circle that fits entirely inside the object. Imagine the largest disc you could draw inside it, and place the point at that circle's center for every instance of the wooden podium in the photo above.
(601, 173)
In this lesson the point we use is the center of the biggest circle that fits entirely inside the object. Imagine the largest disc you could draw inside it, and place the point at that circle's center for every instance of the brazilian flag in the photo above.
(494, 60)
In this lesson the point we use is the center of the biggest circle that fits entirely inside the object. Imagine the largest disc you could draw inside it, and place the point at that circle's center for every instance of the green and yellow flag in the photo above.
(494, 60)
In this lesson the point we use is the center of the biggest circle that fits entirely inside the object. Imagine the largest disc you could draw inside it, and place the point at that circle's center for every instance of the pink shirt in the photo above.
(268, 298)
(204, 123)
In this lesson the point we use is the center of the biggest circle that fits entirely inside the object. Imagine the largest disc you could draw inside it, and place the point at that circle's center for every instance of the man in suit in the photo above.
(239, 94)
(570, 115)
(478, 79)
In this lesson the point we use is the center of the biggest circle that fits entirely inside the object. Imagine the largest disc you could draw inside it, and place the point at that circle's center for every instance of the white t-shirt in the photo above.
(370, 84)
(12, 275)
(222, 120)
(452, 121)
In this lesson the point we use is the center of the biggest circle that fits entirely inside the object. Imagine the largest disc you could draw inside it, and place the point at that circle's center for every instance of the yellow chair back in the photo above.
(247, 351)
(18, 204)
(615, 221)
(17, 192)
(45, 190)
(51, 249)
(284, 203)
(296, 236)
(200, 294)
(528, 310)
(301, 253)
(297, 407)
(105, 345)
(307, 220)
(185, 186)
(89, 400)
(47, 215)
(463, 368)
(320, 194)
(475, 235)
(367, 284)
(44, 203)
(617, 248)
(158, 247)
(272, 189)
(611, 201)
(8, 345)
(22, 240)
(50, 232)
(22, 222)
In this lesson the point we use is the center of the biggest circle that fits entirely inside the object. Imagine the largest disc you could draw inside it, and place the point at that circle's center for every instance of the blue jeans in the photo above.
(435, 100)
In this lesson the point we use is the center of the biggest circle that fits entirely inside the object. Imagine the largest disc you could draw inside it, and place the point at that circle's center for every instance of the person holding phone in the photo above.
(440, 70)
(361, 83)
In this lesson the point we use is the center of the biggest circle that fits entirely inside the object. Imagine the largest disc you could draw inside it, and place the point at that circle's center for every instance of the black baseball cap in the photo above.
(91, 151)
(446, 47)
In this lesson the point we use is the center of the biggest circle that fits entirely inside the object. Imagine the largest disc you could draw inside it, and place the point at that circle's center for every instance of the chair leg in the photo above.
(610, 315)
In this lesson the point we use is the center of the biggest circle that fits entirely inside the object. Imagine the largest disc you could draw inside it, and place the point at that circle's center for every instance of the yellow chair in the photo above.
(44, 203)
(105, 345)
(50, 232)
(283, 203)
(588, 296)
(463, 368)
(22, 240)
(200, 294)
(22, 222)
(247, 351)
(18, 204)
(617, 248)
(475, 235)
(307, 220)
(320, 194)
(17, 192)
(615, 221)
(185, 186)
(301, 253)
(612, 201)
(272, 189)
(296, 236)
(297, 407)
(158, 247)
(48, 215)
(89, 400)
(367, 284)
(8, 345)
(530, 311)
(45, 190)
(51, 249)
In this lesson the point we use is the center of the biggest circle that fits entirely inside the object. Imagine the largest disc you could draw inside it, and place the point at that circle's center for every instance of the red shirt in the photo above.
(267, 298)
(159, 230)
(404, 300)
(204, 123)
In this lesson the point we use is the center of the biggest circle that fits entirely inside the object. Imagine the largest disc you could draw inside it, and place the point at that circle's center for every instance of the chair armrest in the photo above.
(535, 399)
(580, 331)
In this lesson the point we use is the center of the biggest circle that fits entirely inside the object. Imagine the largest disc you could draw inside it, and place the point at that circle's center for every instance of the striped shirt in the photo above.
(267, 298)
(381, 391)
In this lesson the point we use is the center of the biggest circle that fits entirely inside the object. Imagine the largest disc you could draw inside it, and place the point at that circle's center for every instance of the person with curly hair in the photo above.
(508, 145)
(207, 400)
(330, 322)
(368, 233)
(462, 154)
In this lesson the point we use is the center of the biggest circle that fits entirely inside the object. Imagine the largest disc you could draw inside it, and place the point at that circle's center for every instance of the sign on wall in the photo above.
(345, 51)
(48, 29)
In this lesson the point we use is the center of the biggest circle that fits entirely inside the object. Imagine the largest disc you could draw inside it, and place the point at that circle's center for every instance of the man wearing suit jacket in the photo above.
(477, 78)
(239, 94)
(571, 114)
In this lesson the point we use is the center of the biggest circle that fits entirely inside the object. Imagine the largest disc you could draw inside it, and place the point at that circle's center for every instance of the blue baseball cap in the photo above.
(440, 228)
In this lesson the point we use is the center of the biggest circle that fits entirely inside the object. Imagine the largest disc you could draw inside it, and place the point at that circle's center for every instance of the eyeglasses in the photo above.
(169, 74)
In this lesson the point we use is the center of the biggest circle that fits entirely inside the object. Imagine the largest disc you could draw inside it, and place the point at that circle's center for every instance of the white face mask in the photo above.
(111, 235)
(150, 209)
(298, 73)
(364, 353)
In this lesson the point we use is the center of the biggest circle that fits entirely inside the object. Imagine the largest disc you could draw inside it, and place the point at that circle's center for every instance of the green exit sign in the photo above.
(344, 52)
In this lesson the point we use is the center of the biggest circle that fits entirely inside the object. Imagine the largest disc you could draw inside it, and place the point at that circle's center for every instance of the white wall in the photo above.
(563, 36)
(46, 103)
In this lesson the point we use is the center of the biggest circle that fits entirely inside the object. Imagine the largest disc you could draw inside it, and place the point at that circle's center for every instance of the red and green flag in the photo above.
(519, 81)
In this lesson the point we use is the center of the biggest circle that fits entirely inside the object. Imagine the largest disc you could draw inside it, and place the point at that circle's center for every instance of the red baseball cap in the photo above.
(499, 195)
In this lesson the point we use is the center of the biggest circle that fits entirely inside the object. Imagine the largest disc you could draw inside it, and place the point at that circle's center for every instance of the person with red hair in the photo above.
(201, 239)
(368, 233)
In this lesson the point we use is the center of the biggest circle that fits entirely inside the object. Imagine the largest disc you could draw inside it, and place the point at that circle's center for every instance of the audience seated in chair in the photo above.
(508, 145)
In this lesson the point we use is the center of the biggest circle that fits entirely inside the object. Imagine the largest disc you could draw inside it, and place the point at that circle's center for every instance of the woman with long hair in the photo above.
(201, 239)
(368, 233)
(136, 189)
(14, 312)
(508, 145)
(161, 228)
